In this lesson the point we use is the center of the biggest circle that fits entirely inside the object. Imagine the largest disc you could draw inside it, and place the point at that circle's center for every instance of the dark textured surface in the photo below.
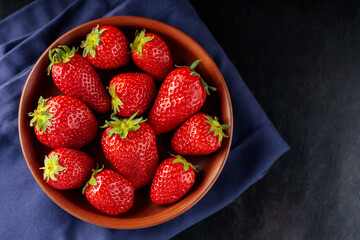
(301, 60)
(7, 7)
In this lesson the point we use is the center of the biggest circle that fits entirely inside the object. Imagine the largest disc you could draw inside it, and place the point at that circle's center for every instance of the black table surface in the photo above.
(301, 60)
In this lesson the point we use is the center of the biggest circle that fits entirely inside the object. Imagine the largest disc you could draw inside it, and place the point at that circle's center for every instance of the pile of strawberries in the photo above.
(66, 122)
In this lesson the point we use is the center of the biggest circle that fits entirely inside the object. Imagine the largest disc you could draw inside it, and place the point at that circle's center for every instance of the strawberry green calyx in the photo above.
(41, 118)
(92, 41)
(92, 180)
(217, 128)
(194, 73)
(115, 100)
(180, 159)
(52, 167)
(61, 54)
(139, 41)
(207, 87)
(123, 126)
(194, 65)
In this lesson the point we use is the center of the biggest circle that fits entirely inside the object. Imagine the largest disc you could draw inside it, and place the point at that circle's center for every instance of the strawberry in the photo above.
(173, 179)
(66, 168)
(75, 77)
(130, 146)
(151, 54)
(106, 47)
(63, 121)
(109, 192)
(131, 93)
(181, 95)
(199, 135)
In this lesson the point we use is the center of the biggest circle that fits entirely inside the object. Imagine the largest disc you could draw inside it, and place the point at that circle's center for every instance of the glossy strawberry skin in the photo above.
(113, 50)
(171, 182)
(155, 58)
(77, 78)
(135, 157)
(113, 194)
(73, 124)
(180, 96)
(78, 166)
(193, 137)
(137, 92)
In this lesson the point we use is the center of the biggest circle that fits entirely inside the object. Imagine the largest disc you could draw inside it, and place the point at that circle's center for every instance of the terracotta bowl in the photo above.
(144, 213)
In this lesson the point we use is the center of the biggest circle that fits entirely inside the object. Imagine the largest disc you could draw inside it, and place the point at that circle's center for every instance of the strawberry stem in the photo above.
(123, 126)
(217, 128)
(139, 41)
(41, 118)
(92, 180)
(51, 167)
(58, 55)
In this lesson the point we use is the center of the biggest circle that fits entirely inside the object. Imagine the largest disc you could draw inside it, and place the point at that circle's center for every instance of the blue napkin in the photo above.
(26, 212)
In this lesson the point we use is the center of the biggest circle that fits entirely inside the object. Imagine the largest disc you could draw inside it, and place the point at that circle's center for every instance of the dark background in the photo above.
(301, 60)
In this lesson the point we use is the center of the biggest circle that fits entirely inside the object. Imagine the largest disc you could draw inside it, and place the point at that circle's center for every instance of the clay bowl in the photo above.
(144, 213)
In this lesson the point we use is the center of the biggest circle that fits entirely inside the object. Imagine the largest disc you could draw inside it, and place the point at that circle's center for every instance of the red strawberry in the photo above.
(181, 95)
(75, 77)
(199, 135)
(173, 179)
(63, 121)
(109, 192)
(130, 146)
(131, 93)
(106, 47)
(151, 54)
(67, 168)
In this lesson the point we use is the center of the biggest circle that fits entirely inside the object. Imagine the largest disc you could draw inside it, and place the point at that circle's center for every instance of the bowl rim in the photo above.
(133, 21)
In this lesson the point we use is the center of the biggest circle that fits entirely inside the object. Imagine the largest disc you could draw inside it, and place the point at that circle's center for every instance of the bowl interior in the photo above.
(144, 213)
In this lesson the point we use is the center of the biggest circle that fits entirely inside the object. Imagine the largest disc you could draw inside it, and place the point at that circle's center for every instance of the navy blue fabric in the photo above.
(26, 212)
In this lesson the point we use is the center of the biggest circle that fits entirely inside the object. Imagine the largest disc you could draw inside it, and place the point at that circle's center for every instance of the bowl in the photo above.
(144, 213)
